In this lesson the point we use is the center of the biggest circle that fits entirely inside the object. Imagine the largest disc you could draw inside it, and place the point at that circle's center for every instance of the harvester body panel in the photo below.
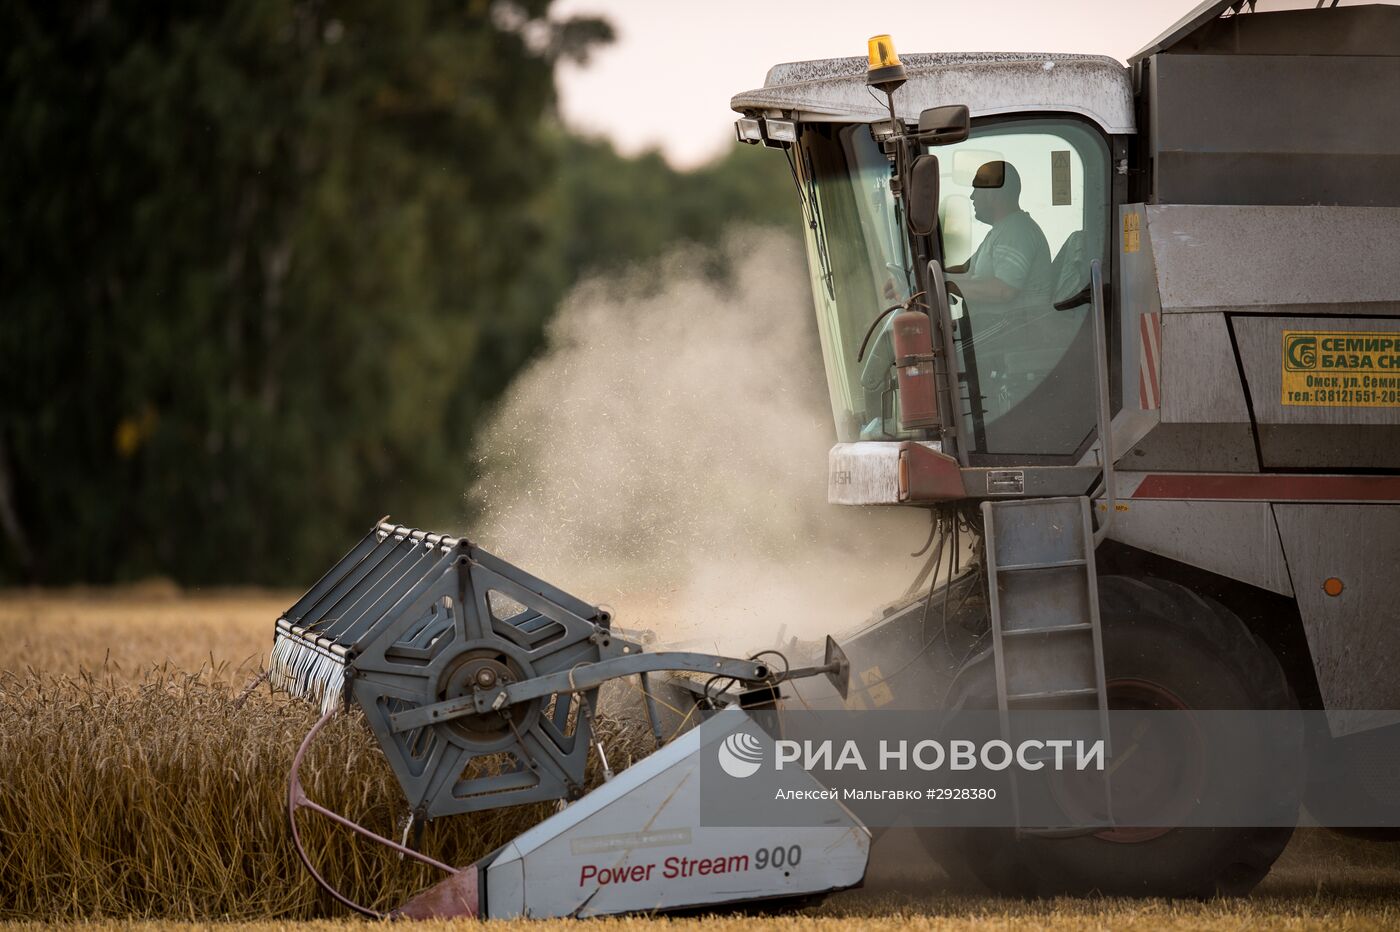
(1352, 636)
(1245, 331)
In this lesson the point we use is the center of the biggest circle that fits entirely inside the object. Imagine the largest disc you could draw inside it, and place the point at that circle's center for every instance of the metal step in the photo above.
(1042, 581)
(1051, 565)
(1050, 629)
(1052, 694)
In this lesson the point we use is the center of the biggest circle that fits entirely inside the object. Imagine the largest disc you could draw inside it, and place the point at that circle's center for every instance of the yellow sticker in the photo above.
(1132, 241)
(1341, 368)
(874, 681)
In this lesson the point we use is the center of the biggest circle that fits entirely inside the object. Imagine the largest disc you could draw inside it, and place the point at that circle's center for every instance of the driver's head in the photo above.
(996, 191)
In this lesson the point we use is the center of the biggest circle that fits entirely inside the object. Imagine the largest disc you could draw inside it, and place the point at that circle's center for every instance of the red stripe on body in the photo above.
(1271, 488)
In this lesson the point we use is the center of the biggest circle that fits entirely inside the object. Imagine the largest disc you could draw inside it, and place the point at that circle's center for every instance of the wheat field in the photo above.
(141, 785)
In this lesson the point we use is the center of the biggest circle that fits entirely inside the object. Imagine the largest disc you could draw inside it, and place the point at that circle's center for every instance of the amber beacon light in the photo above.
(885, 70)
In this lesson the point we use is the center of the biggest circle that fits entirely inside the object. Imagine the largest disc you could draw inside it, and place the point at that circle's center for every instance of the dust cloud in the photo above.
(666, 456)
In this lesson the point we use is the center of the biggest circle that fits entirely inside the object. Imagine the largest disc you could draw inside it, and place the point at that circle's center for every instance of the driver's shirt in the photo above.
(1014, 251)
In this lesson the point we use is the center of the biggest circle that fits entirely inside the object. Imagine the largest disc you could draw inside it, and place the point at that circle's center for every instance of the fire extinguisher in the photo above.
(913, 358)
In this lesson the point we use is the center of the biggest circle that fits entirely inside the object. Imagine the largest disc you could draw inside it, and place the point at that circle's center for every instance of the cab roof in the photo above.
(834, 89)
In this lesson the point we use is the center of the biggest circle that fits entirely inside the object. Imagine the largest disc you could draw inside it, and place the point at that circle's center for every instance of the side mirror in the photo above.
(922, 199)
(940, 126)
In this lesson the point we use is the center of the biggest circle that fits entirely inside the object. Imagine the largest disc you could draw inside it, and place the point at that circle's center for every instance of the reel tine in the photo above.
(307, 670)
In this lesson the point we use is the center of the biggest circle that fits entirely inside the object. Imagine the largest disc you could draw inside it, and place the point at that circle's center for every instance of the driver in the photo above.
(1011, 268)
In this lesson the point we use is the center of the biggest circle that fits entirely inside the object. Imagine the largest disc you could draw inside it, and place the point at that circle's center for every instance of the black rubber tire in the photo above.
(1158, 631)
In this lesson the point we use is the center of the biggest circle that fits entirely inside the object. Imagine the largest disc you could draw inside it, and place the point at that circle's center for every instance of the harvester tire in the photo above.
(1201, 655)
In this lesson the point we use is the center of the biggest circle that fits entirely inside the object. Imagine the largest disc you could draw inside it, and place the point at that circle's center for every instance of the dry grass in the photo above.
(140, 791)
(144, 791)
(127, 630)
(163, 798)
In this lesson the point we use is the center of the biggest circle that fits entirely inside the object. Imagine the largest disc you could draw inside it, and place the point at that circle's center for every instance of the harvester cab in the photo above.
(988, 231)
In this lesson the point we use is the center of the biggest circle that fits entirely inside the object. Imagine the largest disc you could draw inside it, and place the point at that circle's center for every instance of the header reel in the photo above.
(409, 619)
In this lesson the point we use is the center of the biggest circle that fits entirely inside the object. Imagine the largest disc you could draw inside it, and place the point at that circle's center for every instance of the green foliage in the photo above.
(267, 263)
(628, 210)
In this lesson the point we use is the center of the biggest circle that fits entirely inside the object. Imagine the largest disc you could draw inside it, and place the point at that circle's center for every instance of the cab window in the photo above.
(1023, 209)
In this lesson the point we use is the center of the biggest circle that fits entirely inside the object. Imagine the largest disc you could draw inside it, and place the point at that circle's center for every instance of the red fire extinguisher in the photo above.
(913, 359)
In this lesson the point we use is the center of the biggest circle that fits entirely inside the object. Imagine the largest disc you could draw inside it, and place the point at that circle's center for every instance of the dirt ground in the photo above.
(1322, 881)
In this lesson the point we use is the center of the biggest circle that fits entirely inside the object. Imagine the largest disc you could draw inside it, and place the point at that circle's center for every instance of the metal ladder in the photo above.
(1047, 643)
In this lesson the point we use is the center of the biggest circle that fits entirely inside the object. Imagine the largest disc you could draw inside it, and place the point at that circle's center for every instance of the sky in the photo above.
(666, 82)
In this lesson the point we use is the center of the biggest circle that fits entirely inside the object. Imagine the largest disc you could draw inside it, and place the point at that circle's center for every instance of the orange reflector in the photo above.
(882, 53)
(1332, 586)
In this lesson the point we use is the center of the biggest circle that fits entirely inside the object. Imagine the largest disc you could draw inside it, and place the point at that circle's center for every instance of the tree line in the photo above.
(268, 264)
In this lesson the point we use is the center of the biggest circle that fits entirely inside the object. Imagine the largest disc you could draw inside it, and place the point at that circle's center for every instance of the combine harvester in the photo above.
(1157, 387)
